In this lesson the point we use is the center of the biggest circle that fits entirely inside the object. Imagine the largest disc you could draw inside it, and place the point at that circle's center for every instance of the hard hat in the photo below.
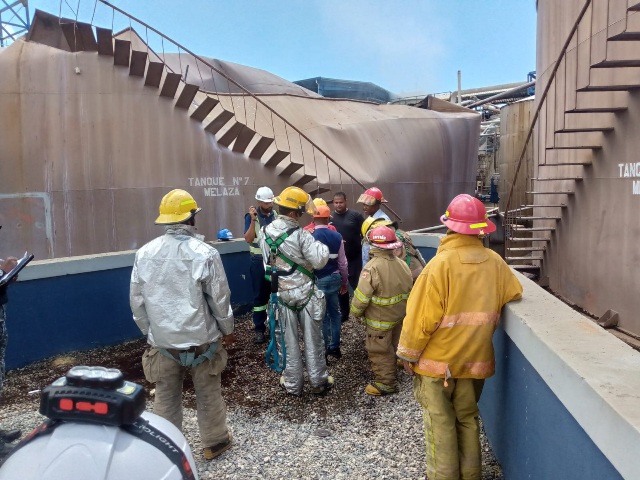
(371, 222)
(264, 194)
(294, 198)
(384, 237)
(371, 196)
(99, 431)
(177, 206)
(225, 234)
(322, 211)
(319, 201)
(468, 216)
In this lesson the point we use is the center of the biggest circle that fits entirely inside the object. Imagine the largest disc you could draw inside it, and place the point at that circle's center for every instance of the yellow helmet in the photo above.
(319, 201)
(177, 206)
(371, 222)
(294, 198)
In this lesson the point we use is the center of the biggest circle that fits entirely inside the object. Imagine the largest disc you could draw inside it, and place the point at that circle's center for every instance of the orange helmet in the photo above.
(371, 196)
(468, 216)
(384, 237)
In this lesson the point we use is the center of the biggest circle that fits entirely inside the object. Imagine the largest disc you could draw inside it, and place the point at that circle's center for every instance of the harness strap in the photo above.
(187, 358)
(274, 245)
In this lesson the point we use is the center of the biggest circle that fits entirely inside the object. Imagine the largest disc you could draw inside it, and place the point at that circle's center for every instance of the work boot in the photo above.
(8, 436)
(260, 337)
(334, 352)
(5, 449)
(377, 389)
(324, 388)
(216, 450)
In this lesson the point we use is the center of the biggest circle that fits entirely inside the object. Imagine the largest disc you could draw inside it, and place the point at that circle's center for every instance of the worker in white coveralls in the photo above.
(180, 299)
(301, 306)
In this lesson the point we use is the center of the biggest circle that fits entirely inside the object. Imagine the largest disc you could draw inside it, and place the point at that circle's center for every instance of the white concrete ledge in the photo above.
(427, 240)
(57, 267)
(595, 375)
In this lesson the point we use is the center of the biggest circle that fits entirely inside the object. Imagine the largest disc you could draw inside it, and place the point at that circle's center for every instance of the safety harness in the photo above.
(188, 358)
(273, 358)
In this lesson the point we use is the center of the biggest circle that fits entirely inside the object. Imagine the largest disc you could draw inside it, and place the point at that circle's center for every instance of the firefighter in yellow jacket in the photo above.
(381, 299)
(452, 313)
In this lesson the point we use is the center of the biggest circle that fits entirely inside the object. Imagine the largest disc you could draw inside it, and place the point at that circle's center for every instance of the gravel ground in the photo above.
(345, 434)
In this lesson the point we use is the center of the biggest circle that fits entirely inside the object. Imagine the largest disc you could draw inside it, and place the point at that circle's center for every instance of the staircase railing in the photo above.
(287, 131)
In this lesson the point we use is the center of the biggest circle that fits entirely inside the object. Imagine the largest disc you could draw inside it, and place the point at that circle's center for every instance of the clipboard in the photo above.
(7, 277)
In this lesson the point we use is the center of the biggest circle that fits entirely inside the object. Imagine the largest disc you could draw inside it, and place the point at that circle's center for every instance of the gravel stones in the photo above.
(342, 435)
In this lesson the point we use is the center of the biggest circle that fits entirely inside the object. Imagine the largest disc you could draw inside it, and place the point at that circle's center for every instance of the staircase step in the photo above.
(612, 79)
(231, 134)
(290, 169)
(561, 192)
(259, 148)
(582, 122)
(187, 95)
(220, 121)
(523, 259)
(276, 158)
(170, 84)
(518, 228)
(243, 139)
(577, 179)
(318, 191)
(79, 36)
(306, 178)
(615, 54)
(532, 239)
(634, 6)
(576, 140)
(534, 218)
(204, 109)
(598, 102)
(121, 52)
(154, 74)
(525, 268)
(527, 249)
(138, 63)
(105, 41)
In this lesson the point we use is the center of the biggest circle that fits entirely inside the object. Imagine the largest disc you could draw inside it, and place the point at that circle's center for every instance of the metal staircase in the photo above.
(583, 94)
(238, 119)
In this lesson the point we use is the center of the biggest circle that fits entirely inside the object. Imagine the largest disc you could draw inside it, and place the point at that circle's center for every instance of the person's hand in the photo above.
(8, 264)
(228, 339)
(408, 367)
(343, 289)
(253, 212)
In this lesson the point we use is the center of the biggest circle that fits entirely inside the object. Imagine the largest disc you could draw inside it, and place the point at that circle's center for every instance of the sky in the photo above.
(409, 47)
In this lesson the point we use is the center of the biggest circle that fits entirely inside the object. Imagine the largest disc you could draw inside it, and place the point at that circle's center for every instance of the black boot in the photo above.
(5, 449)
(8, 436)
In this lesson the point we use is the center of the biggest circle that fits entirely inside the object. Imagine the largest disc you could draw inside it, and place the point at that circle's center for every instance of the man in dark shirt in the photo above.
(253, 222)
(348, 223)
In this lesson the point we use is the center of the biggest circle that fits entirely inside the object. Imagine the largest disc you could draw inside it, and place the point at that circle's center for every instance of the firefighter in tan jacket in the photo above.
(452, 312)
(380, 300)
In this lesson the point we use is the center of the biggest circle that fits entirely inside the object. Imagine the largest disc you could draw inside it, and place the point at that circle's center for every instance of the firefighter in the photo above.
(180, 300)
(452, 313)
(408, 253)
(380, 300)
(301, 306)
(371, 200)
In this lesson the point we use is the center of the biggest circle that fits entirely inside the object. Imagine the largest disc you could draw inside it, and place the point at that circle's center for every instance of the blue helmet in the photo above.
(225, 234)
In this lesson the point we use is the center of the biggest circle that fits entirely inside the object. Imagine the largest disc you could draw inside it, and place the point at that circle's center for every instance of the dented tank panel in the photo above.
(88, 150)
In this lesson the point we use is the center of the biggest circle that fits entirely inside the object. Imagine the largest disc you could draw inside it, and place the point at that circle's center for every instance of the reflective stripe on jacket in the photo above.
(454, 309)
(383, 290)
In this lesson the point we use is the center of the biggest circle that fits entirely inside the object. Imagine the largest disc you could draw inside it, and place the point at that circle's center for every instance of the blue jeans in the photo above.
(261, 292)
(330, 285)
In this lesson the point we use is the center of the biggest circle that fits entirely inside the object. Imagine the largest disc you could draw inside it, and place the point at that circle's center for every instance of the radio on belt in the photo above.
(93, 394)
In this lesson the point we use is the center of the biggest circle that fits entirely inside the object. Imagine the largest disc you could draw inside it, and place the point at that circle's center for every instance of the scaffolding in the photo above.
(14, 20)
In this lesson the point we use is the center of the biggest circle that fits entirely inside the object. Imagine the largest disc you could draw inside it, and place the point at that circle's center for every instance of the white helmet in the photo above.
(264, 194)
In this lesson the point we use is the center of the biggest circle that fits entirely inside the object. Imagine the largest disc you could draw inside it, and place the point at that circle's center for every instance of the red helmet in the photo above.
(468, 216)
(384, 237)
(371, 196)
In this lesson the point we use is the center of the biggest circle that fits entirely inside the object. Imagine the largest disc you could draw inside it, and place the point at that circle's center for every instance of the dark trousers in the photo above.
(355, 267)
(261, 292)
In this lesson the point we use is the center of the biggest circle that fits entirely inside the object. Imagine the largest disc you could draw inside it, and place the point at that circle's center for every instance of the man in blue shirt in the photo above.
(332, 279)
(253, 222)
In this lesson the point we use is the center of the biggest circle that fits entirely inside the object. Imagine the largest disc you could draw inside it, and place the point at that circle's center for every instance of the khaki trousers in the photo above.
(168, 375)
(452, 431)
(381, 347)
